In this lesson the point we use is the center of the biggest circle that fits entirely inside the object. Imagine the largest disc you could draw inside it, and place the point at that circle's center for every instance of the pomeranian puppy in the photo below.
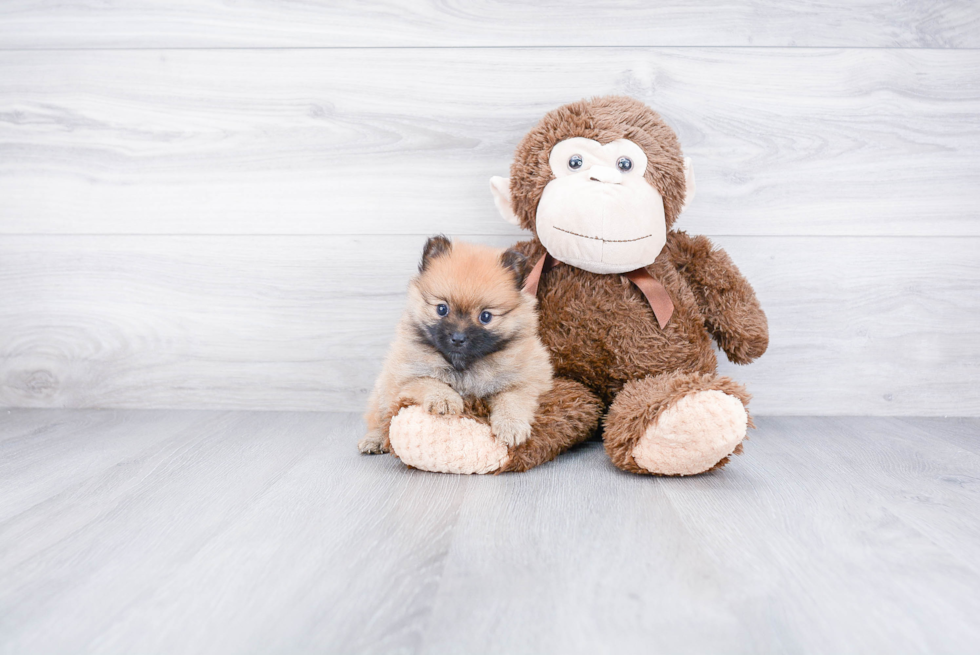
(467, 330)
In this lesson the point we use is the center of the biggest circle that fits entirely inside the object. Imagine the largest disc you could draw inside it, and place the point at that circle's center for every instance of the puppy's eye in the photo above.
(575, 162)
(442, 309)
(625, 164)
(485, 317)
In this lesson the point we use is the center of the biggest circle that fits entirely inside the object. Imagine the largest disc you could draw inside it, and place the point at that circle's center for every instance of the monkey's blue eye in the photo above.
(575, 162)
(442, 309)
(625, 164)
(485, 317)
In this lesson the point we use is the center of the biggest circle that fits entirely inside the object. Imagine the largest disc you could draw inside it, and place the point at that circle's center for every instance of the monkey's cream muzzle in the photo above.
(599, 213)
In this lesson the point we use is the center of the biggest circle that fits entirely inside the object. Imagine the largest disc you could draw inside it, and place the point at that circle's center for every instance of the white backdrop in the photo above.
(205, 205)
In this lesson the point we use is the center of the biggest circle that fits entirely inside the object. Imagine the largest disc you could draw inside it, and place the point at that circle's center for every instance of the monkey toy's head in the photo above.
(599, 182)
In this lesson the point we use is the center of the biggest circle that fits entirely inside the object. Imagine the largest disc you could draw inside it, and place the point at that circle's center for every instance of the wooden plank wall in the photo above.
(213, 205)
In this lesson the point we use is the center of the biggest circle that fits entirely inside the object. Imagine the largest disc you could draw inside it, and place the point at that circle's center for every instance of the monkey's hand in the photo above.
(731, 311)
(372, 443)
(508, 430)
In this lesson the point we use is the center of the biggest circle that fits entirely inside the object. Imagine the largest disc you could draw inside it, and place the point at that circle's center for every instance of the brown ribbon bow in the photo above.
(653, 290)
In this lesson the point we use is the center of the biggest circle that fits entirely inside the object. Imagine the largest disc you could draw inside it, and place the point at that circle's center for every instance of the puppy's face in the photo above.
(467, 301)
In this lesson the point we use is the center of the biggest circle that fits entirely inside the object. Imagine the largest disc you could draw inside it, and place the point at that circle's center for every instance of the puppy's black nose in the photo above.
(458, 338)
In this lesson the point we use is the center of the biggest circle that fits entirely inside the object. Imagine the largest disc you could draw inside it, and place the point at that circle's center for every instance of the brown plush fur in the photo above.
(568, 415)
(600, 330)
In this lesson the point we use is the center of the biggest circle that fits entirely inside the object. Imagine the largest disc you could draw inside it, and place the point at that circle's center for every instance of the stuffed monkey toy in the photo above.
(628, 306)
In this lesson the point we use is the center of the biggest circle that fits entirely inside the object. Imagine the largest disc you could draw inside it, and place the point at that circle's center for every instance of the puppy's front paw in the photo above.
(448, 402)
(510, 431)
(372, 444)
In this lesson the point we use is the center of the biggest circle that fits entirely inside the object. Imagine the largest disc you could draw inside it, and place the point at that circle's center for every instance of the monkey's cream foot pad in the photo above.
(442, 444)
(693, 435)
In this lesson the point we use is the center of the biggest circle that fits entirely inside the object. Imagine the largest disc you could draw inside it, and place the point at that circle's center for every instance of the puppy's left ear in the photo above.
(436, 246)
(516, 263)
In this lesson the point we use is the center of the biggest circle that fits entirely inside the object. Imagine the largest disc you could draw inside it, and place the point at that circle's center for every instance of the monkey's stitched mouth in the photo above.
(585, 236)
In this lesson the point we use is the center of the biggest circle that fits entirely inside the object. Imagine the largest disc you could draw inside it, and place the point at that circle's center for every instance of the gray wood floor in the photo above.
(183, 531)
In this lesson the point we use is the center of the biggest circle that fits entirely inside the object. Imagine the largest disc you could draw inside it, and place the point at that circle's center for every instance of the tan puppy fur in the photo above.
(468, 330)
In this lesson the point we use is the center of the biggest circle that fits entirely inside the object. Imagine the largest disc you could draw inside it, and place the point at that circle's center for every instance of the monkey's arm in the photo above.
(726, 299)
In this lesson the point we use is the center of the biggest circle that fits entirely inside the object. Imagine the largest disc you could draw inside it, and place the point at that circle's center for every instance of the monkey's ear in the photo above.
(516, 263)
(689, 184)
(436, 246)
(500, 187)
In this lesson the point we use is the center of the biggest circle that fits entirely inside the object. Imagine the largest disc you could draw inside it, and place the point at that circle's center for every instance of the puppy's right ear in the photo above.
(436, 246)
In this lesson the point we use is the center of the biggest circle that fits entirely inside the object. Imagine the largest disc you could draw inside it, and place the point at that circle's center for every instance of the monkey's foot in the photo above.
(692, 435)
(454, 444)
(676, 424)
